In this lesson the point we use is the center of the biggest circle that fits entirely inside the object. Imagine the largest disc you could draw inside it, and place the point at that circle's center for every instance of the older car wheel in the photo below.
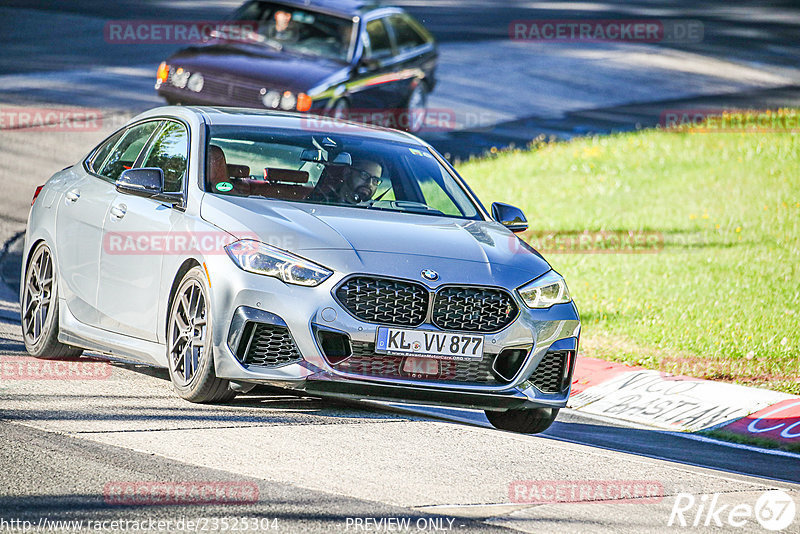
(523, 420)
(341, 109)
(189, 346)
(416, 108)
(39, 309)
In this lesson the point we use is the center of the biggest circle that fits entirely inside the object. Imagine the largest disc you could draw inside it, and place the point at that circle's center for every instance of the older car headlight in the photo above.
(195, 82)
(288, 100)
(178, 77)
(548, 289)
(270, 99)
(260, 258)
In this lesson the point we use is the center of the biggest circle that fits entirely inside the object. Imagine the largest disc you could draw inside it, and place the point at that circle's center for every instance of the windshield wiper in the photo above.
(404, 205)
(372, 202)
(256, 37)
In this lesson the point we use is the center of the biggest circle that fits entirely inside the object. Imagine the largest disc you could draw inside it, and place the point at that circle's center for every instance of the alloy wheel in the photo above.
(37, 303)
(188, 343)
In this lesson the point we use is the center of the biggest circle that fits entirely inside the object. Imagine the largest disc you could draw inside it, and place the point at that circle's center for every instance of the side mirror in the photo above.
(146, 182)
(509, 216)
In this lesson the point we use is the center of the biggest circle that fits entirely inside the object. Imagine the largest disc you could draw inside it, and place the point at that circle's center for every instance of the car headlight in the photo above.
(548, 289)
(288, 100)
(270, 99)
(195, 82)
(260, 258)
(179, 77)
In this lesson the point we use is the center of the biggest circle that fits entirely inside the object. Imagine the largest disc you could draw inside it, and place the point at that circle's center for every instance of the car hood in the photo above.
(258, 64)
(382, 242)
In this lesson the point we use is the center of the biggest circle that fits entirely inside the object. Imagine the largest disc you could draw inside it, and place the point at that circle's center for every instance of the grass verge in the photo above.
(764, 443)
(681, 248)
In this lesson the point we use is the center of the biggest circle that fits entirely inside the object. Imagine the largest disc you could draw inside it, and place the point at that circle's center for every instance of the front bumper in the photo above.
(243, 298)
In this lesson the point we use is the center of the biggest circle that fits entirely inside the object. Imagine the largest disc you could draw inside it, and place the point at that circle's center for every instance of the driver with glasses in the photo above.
(348, 184)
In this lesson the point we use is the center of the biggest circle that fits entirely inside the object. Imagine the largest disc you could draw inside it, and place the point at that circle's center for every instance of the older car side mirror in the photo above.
(509, 216)
(147, 182)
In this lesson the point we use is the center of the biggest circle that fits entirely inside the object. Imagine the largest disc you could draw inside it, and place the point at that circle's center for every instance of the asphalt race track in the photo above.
(320, 466)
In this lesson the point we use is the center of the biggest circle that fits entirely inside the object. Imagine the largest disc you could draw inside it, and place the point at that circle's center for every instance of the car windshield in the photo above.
(341, 170)
(299, 30)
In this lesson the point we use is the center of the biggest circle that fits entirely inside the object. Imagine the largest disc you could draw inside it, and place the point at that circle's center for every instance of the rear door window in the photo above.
(407, 32)
(378, 44)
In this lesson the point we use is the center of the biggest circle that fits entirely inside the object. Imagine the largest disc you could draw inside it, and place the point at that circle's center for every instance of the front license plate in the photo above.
(428, 344)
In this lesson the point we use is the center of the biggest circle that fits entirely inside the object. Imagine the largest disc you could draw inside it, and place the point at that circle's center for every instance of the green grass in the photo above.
(719, 297)
(764, 443)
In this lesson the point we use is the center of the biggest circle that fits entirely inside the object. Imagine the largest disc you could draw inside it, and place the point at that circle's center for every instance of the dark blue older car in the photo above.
(338, 58)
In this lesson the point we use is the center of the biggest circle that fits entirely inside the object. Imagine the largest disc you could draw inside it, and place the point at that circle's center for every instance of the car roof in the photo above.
(340, 7)
(229, 116)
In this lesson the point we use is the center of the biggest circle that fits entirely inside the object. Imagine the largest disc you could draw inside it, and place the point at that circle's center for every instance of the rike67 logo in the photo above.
(774, 510)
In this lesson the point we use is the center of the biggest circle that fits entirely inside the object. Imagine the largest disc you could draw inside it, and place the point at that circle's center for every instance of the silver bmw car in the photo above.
(236, 247)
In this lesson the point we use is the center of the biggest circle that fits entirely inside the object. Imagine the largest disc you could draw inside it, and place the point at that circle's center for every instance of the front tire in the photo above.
(39, 309)
(416, 108)
(523, 420)
(341, 109)
(189, 345)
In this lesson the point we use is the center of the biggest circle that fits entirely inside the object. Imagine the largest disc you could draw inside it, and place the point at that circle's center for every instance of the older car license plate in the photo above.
(428, 344)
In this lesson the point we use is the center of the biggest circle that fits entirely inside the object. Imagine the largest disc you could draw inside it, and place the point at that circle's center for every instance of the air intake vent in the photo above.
(269, 346)
(549, 376)
(366, 362)
(508, 363)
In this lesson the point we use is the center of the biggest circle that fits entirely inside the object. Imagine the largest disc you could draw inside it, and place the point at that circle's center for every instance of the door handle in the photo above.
(73, 195)
(119, 211)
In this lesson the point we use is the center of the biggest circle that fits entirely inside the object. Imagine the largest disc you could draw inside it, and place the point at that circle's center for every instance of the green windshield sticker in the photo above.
(415, 151)
(224, 186)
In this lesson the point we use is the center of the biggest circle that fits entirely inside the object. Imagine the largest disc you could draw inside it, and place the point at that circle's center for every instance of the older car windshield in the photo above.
(298, 30)
(343, 170)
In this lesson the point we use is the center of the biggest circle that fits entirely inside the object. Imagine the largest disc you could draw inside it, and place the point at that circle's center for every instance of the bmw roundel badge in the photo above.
(430, 274)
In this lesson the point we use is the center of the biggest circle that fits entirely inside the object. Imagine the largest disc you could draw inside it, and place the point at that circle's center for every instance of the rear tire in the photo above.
(39, 308)
(189, 346)
(523, 420)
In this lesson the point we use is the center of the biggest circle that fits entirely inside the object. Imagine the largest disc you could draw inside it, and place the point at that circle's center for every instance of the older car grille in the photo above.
(366, 362)
(227, 91)
(271, 346)
(384, 301)
(473, 309)
(405, 303)
(549, 375)
(216, 89)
